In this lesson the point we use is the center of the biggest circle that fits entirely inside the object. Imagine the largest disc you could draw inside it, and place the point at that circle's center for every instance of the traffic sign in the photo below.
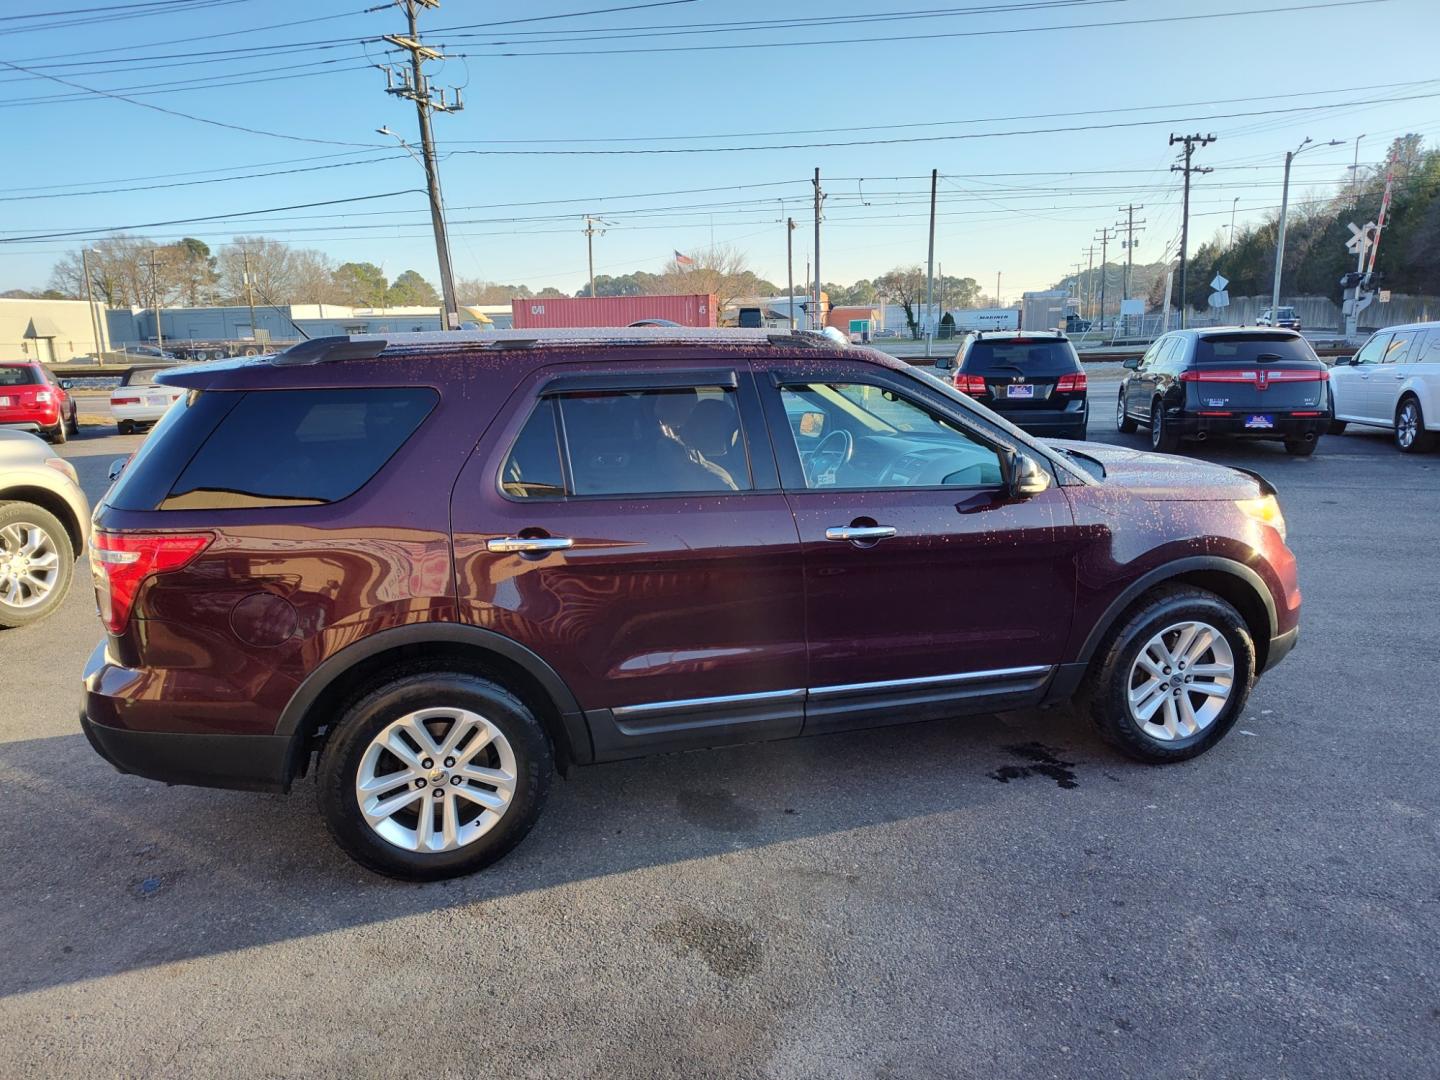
(1360, 239)
(1218, 283)
(1220, 298)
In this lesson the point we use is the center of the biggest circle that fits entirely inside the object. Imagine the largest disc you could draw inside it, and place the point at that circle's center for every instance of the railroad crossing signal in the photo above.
(1360, 238)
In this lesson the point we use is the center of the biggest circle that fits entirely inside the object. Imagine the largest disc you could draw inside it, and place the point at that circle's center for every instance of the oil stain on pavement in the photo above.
(1041, 762)
(728, 948)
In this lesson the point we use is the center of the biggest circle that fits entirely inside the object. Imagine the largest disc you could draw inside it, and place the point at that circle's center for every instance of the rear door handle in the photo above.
(506, 545)
(860, 532)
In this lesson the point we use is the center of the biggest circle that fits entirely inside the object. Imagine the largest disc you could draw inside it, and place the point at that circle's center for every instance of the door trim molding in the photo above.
(930, 680)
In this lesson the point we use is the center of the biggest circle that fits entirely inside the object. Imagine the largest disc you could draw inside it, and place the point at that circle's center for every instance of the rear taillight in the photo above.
(122, 561)
(970, 384)
(1254, 375)
(124, 401)
(1071, 384)
(44, 397)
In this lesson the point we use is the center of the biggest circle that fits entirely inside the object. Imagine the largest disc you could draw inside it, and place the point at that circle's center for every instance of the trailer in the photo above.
(968, 319)
(536, 313)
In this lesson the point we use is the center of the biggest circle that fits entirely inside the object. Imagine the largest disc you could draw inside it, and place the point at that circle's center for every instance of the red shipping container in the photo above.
(550, 313)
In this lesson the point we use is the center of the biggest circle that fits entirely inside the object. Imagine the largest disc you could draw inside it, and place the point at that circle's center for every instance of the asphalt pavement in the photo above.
(990, 897)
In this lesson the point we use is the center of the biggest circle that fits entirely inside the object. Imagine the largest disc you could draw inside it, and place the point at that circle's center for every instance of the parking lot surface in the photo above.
(995, 896)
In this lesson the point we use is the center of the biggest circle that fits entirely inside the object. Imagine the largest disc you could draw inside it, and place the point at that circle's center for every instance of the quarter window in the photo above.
(648, 442)
(1395, 352)
(854, 435)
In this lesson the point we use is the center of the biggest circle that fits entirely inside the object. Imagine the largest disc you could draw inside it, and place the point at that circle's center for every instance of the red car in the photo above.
(435, 571)
(32, 400)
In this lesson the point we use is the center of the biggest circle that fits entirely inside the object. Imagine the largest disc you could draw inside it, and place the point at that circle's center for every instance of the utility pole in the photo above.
(1129, 244)
(790, 269)
(1106, 235)
(819, 302)
(1190, 141)
(415, 86)
(1235, 205)
(249, 291)
(590, 232)
(930, 269)
(155, 298)
(90, 302)
(1078, 294)
(998, 302)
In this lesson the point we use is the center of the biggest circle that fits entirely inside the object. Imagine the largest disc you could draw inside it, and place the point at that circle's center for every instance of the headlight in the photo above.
(1264, 509)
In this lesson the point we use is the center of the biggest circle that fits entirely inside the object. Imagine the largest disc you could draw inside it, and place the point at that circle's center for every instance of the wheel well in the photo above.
(56, 504)
(1240, 595)
(372, 671)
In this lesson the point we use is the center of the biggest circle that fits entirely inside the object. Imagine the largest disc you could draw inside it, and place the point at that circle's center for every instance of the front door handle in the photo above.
(861, 533)
(507, 545)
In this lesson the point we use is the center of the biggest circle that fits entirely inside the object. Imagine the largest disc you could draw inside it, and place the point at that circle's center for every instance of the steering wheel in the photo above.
(833, 451)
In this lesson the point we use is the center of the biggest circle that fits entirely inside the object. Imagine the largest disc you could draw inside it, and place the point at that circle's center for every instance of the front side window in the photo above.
(854, 435)
(646, 442)
(1374, 349)
(298, 447)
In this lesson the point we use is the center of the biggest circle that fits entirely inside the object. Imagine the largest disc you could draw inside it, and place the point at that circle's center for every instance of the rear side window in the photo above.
(298, 447)
(18, 376)
(1250, 348)
(1039, 357)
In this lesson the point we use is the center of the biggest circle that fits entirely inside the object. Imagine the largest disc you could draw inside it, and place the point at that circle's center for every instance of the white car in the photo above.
(138, 401)
(1392, 382)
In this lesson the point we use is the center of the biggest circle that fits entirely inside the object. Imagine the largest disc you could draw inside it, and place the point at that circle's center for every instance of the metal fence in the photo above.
(1321, 313)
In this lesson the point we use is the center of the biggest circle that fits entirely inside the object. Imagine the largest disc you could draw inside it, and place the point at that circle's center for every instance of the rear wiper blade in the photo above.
(1269, 356)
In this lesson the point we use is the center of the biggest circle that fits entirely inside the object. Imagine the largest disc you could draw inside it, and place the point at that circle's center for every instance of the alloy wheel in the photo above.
(1120, 410)
(1181, 681)
(1407, 425)
(436, 780)
(29, 565)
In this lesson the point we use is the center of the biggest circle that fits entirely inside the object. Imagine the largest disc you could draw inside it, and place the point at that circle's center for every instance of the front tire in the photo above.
(37, 563)
(1410, 434)
(433, 775)
(1123, 423)
(1175, 677)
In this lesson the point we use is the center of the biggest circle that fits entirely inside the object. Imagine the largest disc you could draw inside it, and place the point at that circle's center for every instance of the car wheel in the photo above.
(1162, 437)
(1123, 423)
(1410, 434)
(74, 421)
(1175, 677)
(433, 775)
(57, 436)
(37, 563)
(1301, 447)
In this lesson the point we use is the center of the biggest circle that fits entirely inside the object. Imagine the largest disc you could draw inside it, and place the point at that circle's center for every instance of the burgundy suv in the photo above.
(438, 570)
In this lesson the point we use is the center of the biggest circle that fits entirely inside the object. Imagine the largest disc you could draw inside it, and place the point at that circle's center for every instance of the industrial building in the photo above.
(51, 330)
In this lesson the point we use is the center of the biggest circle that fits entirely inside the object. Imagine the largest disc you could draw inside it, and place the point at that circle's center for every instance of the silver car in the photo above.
(44, 523)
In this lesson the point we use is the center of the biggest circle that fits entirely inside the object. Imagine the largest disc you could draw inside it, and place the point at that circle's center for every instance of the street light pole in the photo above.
(1284, 210)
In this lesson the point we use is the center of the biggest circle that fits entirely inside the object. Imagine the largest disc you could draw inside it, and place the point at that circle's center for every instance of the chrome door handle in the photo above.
(505, 545)
(860, 532)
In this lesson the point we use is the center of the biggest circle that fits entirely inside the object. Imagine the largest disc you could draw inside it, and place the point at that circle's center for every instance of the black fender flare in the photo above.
(572, 721)
(1169, 571)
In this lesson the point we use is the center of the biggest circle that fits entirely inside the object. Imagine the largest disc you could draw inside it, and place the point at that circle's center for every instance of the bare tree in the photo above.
(904, 285)
(125, 271)
(312, 278)
(271, 273)
(721, 270)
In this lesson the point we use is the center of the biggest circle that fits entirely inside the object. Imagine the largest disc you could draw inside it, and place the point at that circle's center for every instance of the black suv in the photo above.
(1032, 378)
(1235, 382)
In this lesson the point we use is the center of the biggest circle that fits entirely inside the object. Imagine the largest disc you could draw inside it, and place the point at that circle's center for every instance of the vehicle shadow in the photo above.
(108, 873)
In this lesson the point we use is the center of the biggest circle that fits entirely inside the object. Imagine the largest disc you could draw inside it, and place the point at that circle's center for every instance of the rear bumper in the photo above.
(1191, 426)
(246, 762)
(242, 762)
(32, 426)
(1073, 417)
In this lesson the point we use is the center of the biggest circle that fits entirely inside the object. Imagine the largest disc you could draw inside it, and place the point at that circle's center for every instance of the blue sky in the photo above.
(1021, 204)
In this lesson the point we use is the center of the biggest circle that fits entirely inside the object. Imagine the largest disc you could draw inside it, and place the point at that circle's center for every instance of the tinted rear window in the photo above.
(1028, 357)
(1250, 348)
(18, 376)
(298, 447)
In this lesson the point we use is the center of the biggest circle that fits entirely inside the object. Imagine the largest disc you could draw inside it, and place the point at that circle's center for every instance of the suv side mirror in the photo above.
(1344, 360)
(117, 467)
(945, 363)
(1027, 476)
(1132, 364)
(66, 384)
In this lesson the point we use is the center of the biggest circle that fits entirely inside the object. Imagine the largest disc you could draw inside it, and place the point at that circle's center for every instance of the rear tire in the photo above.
(58, 436)
(75, 422)
(396, 845)
(1163, 439)
(1121, 675)
(1337, 427)
(1410, 434)
(1123, 423)
(49, 567)
(1301, 448)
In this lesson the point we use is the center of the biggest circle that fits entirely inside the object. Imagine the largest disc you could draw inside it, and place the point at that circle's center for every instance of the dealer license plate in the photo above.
(1020, 390)
(1259, 421)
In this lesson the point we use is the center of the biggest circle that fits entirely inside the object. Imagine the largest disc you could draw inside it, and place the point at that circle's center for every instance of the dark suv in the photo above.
(1032, 378)
(434, 572)
(1232, 382)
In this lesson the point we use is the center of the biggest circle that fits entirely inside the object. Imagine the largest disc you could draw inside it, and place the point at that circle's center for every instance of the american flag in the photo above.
(682, 259)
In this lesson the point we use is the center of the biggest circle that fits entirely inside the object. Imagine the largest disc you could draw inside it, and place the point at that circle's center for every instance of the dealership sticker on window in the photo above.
(1215, 402)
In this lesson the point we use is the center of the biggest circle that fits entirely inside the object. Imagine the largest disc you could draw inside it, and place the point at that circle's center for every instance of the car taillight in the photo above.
(122, 561)
(1254, 375)
(970, 384)
(124, 401)
(43, 397)
(1070, 384)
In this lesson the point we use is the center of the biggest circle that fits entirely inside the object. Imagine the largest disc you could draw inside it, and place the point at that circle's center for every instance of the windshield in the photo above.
(141, 377)
(1251, 348)
(18, 376)
(1041, 357)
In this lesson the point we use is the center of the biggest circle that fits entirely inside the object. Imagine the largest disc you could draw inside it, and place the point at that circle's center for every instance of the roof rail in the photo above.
(323, 350)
